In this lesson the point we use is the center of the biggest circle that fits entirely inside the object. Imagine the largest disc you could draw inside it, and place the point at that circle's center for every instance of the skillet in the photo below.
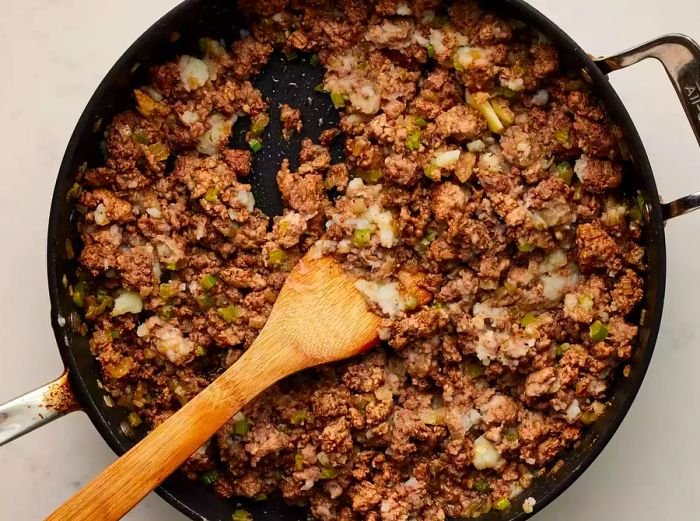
(177, 32)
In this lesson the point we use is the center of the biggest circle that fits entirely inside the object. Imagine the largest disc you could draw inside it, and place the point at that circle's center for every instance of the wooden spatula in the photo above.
(319, 317)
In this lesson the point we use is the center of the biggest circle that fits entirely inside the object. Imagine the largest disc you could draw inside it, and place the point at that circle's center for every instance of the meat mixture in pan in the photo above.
(479, 203)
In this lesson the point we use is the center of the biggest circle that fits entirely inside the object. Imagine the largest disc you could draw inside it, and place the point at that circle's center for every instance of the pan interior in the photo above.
(293, 82)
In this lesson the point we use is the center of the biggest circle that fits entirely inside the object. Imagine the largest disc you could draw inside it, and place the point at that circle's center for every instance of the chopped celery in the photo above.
(134, 419)
(255, 145)
(432, 417)
(212, 195)
(144, 103)
(431, 51)
(298, 462)
(591, 416)
(241, 427)
(277, 258)
(291, 55)
(73, 192)
(574, 85)
(205, 302)
(429, 237)
(371, 176)
(230, 313)
(585, 301)
(562, 135)
(420, 122)
(166, 312)
(97, 306)
(562, 348)
(121, 368)
(320, 88)
(140, 138)
(209, 477)
(503, 111)
(598, 331)
(298, 417)
(431, 171)
(159, 151)
(410, 302)
(526, 247)
(79, 291)
(480, 102)
(315, 60)
(259, 125)
(361, 237)
(166, 291)
(241, 515)
(505, 92)
(413, 139)
(328, 472)
(338, 99)
(588, 418)
(502, 504)
(481, 485)
(207, 282)
(475, 370)
(565, 172)
(528, 320)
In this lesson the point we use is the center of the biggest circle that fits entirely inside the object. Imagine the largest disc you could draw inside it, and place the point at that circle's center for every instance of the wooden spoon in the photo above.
(319, 317)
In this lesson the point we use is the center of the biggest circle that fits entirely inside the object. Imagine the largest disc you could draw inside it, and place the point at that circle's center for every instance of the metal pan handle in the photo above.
(36, 408)
(680, 56)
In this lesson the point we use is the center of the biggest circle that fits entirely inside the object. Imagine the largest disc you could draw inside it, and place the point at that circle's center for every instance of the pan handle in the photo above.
(680, 56)
(36, 408)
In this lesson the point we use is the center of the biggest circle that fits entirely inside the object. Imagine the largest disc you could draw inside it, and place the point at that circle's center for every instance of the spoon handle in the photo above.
(125, 482)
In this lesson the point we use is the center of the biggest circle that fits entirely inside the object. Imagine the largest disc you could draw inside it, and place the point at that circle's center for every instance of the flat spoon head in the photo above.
(319, 317)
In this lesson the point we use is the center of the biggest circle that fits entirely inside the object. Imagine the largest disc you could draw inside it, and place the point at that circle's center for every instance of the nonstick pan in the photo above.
(178, 32)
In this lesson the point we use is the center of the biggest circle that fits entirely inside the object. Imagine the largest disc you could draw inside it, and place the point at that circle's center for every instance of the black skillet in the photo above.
(293, 82)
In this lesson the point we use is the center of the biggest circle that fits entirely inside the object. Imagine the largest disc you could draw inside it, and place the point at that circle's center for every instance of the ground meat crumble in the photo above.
(479, 203)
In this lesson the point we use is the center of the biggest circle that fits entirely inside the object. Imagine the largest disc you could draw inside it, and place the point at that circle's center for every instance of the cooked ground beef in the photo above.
(291, 121)
(478, 203)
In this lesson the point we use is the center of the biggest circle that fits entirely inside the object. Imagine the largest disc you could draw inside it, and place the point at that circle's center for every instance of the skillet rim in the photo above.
(78, 372)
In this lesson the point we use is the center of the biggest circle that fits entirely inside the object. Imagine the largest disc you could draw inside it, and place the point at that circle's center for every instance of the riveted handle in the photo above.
(680, 56)
(36, 408)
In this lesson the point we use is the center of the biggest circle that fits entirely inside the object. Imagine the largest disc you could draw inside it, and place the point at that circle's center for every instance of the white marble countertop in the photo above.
(54, 54)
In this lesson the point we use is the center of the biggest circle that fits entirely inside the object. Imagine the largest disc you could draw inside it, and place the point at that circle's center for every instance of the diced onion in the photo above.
(219, 131)
(485, 454)
(386, 296)
(246, 199)
(528, 505)
(573, 411)
(403, 10)
(476, 146)
(448, 158)
(127, 302)
(100, 215)
(193, 72)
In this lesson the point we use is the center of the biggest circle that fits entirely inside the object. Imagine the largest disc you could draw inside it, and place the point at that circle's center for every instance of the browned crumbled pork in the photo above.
(479, 204)
(291, 121)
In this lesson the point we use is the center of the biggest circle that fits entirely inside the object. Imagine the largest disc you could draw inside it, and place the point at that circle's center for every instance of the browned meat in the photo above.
(488, 230)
